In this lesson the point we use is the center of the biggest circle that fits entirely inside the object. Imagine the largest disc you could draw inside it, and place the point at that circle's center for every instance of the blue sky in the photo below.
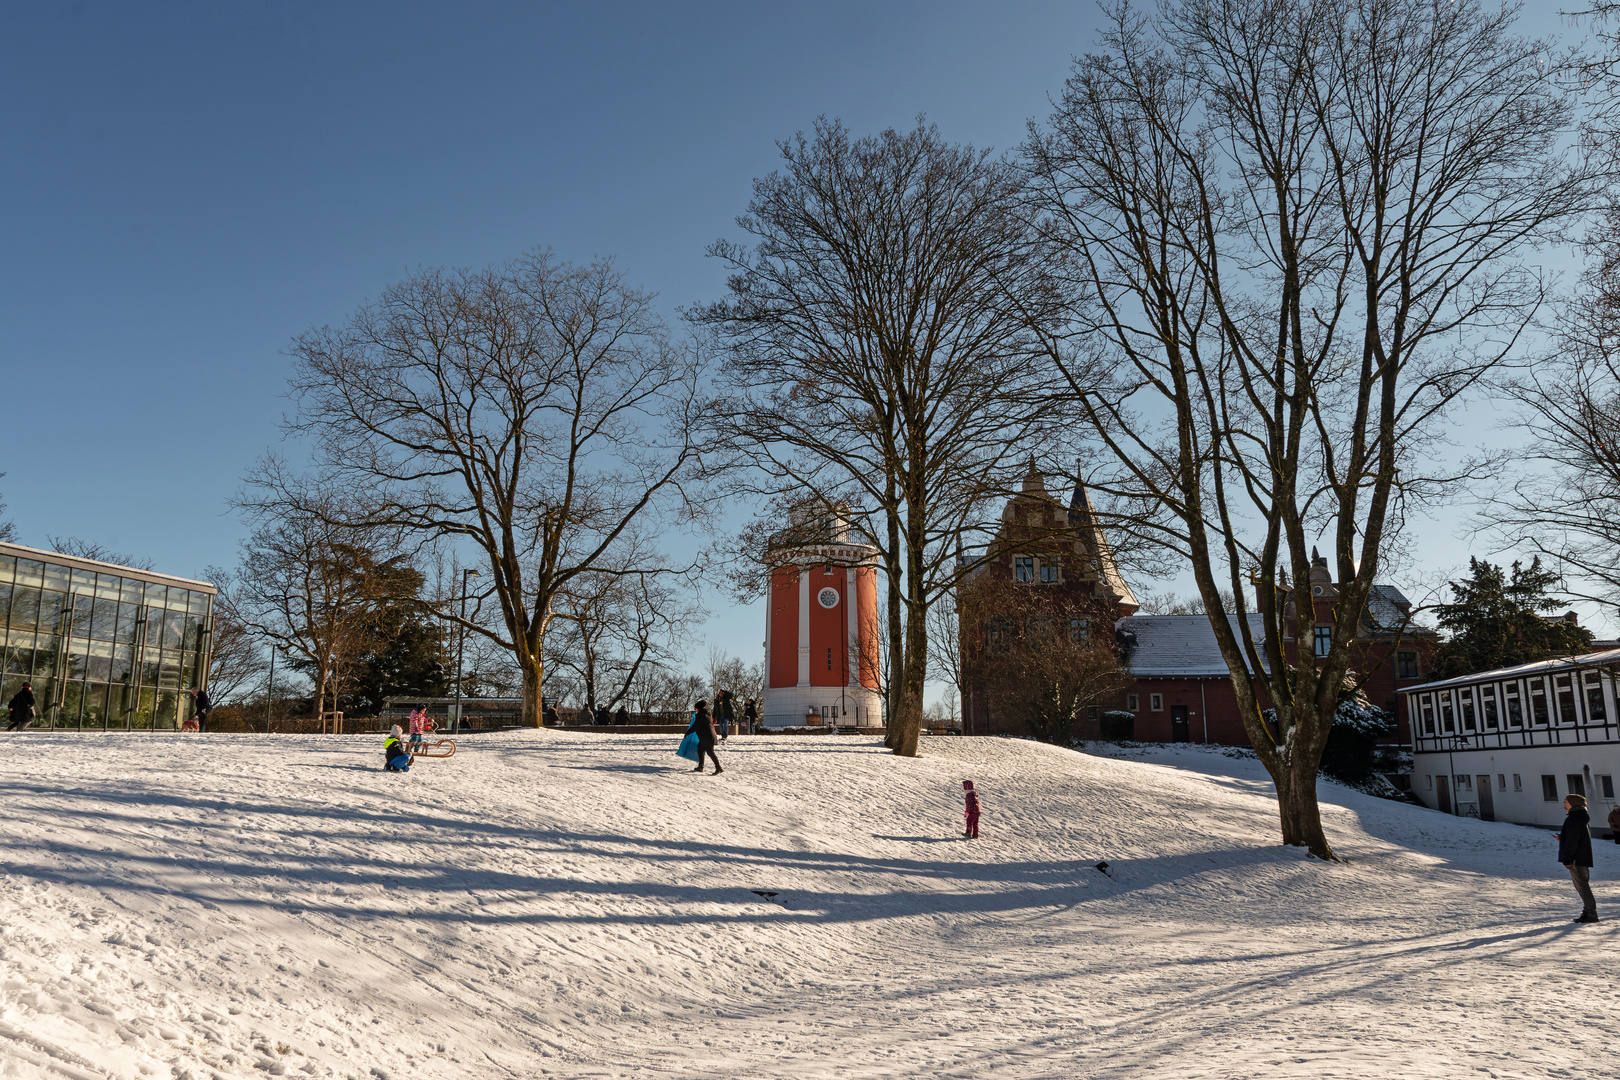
(187, 187)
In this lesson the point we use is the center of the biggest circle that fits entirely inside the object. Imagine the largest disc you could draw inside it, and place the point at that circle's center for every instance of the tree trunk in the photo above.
(533, 668)
(1297, 806)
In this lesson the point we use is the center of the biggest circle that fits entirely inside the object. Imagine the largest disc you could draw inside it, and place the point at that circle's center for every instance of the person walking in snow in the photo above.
(1614, 824)
(703, 725)
(1575, 852)
(22, 708)
(723, 713)
(199, 715)
(972, 813)
(395, 757)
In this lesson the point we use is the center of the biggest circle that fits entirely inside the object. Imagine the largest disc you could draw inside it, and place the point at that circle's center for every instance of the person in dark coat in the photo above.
(1575, 853)
(22, 708)
(1614, 824)
(703, 724)
(723, 714)
(602, 717)
(204, 707)
(622, 716)
(551, 717)
(750, 716)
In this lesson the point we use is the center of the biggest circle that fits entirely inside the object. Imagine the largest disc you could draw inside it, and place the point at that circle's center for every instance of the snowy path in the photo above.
(579, 905)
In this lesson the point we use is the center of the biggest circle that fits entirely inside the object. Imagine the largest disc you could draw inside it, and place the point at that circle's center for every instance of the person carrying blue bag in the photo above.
(700, 739)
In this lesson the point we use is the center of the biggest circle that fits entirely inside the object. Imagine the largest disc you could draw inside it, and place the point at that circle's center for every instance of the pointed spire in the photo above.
(1032, 481)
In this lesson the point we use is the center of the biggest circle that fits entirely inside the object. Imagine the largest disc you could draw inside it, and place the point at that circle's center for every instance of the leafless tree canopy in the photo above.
(878, 344)
(236, 661)
(534, 412)
(608, 626)
(1297, 233)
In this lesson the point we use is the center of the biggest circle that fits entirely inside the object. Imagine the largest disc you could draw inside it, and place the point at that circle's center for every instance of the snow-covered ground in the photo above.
(582, 905)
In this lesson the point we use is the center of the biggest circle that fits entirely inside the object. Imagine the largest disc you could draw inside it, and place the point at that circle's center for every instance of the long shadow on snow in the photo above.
(1039, 884)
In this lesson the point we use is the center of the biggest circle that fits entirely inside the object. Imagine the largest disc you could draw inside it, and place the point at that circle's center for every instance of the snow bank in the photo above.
(567, 904)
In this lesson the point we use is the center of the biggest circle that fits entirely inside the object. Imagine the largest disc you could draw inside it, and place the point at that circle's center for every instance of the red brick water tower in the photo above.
(821, 652)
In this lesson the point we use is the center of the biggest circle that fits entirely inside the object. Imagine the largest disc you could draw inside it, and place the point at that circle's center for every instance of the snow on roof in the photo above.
(1607, 656)
(1388, 608)
(1179, 645)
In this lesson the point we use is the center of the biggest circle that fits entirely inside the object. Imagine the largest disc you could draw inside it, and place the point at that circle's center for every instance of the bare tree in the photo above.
(8, 531)
(874, 362)
(88, 549)
(307, 588)
(1297, 233)
(236, 661)
(608, 625)
(534, 411)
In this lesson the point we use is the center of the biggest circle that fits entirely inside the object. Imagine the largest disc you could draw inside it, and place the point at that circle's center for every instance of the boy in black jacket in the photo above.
(1575, 852)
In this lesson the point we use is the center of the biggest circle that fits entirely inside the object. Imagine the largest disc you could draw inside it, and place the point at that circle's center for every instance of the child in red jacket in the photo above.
(972, 814)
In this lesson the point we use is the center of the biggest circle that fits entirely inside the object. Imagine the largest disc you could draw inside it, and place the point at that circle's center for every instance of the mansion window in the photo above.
(1079, 631)
(1324, 640)
(1051, 571)
(1024, 568)
(999, 634)
(1406, 665)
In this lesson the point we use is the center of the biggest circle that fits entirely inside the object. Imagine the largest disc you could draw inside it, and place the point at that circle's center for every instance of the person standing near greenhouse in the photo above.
(204, 707)
(22, 708)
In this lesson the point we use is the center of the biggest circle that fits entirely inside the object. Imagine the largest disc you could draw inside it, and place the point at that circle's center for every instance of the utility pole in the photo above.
(270, 690)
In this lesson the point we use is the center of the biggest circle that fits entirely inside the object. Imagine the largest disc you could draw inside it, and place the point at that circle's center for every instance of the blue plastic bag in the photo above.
(689, 747)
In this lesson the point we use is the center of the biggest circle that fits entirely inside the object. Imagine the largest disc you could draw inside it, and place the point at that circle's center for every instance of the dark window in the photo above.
(1549, 788)
(1596, 712)
(1467, 702)
(1406, 665)
(1515, 713)
(1538, 704)
(1576, 787)
(1448, 718)
(1566, 699)
(1024, 568)
(1606, 785)
(1324, 640)
(1428, 717)
(1487, 704)
(1079, 631)
(1051, 570)
(1000, 635)
(829, 659)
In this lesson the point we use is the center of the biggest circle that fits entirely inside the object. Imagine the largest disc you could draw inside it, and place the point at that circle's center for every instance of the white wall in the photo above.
(1526, 806)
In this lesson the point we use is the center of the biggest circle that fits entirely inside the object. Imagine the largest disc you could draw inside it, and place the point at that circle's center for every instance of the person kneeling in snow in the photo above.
(395, 757)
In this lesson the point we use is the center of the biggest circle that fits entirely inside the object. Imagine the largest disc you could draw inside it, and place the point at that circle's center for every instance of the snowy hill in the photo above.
(581, 905)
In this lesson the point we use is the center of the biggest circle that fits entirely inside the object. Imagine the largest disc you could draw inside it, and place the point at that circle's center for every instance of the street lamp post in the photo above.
(461, 645)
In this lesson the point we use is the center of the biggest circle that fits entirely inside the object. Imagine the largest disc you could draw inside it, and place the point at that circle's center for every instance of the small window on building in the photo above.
(1091, 712)
(1428, 715)
(1518, 782)
(1079, 631)
(1466, 702)
(1487, 705)
(1566, 699)
(1465, 783)
(1596, 711)
(1406, 665)
(1324, 640)
(1605, 784)
(1501, 781)
(1132, 702)
(829, 659)
(1448, 716)
(1538, 703)
(1051, 571)
(1428, 781)
(1024, 568)
(1576, 785)
(1156, 702)
(1549, 788)
(1515, 713)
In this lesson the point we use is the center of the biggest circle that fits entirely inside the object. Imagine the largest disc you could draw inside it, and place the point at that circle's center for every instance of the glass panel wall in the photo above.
(99, 649)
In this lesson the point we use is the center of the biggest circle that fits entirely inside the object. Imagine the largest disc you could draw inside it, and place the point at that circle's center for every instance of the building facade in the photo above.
(1508, 745)
(104, 646)
(821, 629)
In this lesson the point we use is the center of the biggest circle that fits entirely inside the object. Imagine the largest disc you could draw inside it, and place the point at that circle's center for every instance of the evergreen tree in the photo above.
(1497, 620)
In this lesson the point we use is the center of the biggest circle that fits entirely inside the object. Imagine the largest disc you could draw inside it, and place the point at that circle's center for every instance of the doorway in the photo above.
(1442, 793)
(1487, 808)
(1180, 731)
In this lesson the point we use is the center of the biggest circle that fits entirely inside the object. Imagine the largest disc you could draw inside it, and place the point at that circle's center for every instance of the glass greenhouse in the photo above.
(105, 646)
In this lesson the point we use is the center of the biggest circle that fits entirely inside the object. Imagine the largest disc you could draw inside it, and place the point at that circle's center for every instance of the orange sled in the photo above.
(442, 748)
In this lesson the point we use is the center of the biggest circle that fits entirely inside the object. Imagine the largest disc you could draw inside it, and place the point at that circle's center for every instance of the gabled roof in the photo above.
(1538, 667)
(1083, 514)
(1168, 646)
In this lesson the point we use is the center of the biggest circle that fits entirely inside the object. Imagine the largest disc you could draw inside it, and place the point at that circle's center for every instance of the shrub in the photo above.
(1117, 726)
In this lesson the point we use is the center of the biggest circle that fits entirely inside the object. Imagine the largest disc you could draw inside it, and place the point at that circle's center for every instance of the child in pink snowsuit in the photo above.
(420, 724)
(972, 814)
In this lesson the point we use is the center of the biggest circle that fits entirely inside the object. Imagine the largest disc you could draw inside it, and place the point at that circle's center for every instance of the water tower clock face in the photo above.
(827, 598)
